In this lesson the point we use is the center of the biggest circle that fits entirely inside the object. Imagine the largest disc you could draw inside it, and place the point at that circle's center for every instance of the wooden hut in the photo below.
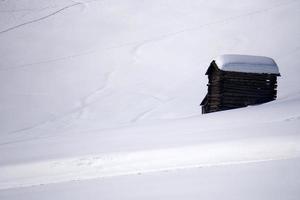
(236, 81)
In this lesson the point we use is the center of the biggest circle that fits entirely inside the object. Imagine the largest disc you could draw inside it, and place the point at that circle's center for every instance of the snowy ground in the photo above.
(106, 93)
(272, 180)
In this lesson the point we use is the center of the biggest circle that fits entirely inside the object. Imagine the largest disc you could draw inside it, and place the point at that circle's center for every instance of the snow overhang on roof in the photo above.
(247, 63)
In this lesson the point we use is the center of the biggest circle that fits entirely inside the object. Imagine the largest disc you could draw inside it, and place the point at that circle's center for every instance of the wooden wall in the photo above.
(229, 90)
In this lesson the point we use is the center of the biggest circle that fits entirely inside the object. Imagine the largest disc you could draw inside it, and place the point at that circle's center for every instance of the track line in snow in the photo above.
(138, 162)
(68, 57)
(91, 98)
(38, 19)
(78, 111)
(142, 115)
(137, 48)
(58, 59)
(26, 10)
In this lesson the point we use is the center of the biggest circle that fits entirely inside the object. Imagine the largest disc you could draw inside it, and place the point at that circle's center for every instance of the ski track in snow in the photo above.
(126, 163)
(91, 98)
(143, 114)
(139, 44)
(83, 104)
(27, 10)
(142, 44)
(39, 19)
(44, 7)
(160, 101)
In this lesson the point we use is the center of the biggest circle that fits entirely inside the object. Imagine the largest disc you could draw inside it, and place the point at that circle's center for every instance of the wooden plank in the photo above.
(241, 91)
(229, 90)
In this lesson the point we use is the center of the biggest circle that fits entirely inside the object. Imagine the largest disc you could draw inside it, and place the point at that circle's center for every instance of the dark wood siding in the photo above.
(229, 90)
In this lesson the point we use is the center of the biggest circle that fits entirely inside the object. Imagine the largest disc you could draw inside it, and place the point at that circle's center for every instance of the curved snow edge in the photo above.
(126, 163)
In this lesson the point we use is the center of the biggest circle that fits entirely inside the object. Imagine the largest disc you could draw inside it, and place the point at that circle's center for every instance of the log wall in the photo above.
(229, 90)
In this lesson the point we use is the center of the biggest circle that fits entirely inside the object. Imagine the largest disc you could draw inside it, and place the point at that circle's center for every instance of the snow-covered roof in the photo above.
(247, 63)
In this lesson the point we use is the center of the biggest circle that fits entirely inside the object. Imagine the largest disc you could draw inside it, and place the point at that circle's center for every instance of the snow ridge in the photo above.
(124, 163)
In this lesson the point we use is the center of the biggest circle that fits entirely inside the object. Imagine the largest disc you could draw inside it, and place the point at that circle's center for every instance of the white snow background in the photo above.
(99, 99)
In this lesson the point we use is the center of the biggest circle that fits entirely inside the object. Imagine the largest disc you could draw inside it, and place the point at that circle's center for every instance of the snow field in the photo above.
(92, 91)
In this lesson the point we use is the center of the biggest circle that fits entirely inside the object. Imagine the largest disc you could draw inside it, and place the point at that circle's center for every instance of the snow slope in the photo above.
(232, 181)
(100, 88)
